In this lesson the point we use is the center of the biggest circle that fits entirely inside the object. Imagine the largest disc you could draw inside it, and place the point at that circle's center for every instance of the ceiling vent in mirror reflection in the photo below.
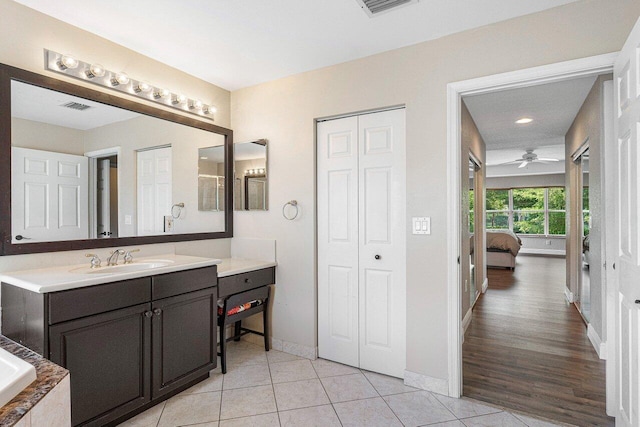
(120, 81)
(76, 106)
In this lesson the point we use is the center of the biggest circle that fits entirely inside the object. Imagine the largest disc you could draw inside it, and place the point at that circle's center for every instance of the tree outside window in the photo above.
(497, 205)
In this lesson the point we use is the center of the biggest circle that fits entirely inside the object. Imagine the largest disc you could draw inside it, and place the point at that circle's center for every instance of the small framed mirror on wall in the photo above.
(251, 181)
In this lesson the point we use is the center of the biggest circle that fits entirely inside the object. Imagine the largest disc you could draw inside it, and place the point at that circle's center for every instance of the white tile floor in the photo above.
(278, 389)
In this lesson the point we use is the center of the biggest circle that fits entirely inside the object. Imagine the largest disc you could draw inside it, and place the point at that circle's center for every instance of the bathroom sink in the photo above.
(125, 268)
(15, 375)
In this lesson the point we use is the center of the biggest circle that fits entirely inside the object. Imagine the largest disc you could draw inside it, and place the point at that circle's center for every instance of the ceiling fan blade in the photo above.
(548, 160)
(509, 163)
(523, 164)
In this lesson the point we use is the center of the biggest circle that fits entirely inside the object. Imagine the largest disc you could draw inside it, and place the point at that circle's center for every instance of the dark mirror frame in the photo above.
(7, 74)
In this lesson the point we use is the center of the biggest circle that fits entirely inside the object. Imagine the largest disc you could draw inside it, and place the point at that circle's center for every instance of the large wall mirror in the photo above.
(251, 183)
(85, 169)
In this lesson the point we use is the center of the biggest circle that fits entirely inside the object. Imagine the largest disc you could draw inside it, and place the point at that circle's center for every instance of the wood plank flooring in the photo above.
(527, 348)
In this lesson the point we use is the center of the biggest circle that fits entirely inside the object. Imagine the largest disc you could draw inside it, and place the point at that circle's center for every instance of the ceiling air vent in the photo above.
(376, 7)
(76, 106)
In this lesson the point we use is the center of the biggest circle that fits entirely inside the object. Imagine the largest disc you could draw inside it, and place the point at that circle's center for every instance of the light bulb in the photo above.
(196, 104)
(120, 79)
(142, 87)
(524, 121)
(95, 70)
(178, 99)
(210, 109)
(161, 93)
(67, 61)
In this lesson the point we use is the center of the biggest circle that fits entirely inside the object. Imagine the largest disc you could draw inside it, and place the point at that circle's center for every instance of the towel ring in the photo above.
(179, 206)
(294, 204)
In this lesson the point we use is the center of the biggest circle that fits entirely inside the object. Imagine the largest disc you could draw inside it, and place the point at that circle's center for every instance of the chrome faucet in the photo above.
(113, 258)
(128, 258)
(95, 260)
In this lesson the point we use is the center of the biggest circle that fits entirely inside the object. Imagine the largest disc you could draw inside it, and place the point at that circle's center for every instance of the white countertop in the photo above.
(71, 276)
(231, 266)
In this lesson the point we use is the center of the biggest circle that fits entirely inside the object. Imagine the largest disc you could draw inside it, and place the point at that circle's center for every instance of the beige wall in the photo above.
(43, 136)
(587, 124)
(472, 143)
(284, 111)
(524, 181)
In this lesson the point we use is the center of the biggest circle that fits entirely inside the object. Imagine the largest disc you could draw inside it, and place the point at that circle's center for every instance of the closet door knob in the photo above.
(377, 257)
(157, 312)
(148, 314)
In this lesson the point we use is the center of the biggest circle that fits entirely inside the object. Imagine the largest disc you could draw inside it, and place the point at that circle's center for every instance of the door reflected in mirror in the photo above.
(251, 183)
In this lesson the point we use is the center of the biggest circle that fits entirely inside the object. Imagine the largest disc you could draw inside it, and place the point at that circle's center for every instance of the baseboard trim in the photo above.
(466, 321)
(596, 342)
(569, 295)
(295, 349)
(557, 252)
(425, 382)
(485, 285)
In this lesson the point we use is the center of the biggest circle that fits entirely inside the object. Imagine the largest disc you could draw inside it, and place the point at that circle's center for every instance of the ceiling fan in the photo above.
(530, 157)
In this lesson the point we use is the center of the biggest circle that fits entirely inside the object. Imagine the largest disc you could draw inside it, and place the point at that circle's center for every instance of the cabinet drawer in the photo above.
(181, 282)
(244, 281)
(77, 303)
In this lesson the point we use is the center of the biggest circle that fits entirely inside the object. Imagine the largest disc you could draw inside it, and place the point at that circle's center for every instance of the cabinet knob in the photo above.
(377, 257)
(247, 280)
(638, 301)
(148, 314)
(157, 311)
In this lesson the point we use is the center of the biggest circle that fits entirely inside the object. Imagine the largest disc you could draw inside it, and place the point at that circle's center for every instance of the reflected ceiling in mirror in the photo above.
(251, 184)
(103, 175)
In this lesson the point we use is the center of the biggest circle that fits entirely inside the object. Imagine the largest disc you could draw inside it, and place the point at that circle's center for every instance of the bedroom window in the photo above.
(528, 210)
(532, 211)
(497, 206)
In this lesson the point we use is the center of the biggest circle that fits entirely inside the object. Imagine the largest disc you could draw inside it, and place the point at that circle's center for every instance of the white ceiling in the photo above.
(234, 44)
(553, 107)
(44, 105)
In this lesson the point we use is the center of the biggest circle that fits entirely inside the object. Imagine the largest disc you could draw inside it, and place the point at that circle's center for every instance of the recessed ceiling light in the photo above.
(524, 121)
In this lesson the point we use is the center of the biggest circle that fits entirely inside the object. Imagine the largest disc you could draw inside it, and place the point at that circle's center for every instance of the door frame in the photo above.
(583, 67)
(93, 182)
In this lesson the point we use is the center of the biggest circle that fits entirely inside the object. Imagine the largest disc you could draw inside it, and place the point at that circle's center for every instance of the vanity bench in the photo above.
(243, 290)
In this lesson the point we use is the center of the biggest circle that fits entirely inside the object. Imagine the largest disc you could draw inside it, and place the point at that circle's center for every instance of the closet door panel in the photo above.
(338, 240)
(382, 248)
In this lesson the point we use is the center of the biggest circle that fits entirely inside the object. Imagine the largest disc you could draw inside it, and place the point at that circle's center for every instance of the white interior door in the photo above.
(50, 196)
(627, 129)
(382, 249)
(338, 240)
(153, 190)
(104, 198)
(361, 241)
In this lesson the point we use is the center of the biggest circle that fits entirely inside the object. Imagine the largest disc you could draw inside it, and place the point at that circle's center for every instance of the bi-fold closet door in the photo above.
(361, 241)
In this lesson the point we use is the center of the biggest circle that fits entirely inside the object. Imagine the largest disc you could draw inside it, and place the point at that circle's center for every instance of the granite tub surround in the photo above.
(59, 278)
(26, 405)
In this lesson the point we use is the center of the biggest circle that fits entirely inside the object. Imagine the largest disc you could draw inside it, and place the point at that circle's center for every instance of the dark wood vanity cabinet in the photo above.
(109, 357)
(127, 345)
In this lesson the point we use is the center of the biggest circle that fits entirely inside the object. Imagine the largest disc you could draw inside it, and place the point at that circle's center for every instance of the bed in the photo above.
(502, 248)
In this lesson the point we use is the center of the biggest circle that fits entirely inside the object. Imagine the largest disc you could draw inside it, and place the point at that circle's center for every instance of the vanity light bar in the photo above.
(120, 81)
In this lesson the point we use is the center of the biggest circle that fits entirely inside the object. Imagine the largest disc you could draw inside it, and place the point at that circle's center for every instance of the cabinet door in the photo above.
(184, 339)
(108, 356)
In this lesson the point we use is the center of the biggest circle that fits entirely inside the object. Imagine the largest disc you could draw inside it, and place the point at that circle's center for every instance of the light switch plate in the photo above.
(421, 225)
